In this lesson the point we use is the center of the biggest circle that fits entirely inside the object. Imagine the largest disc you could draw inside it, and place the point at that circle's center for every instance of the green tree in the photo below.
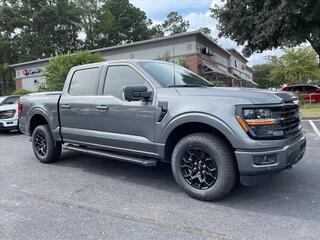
(37, 29)
(205, 30)
(261, 75)
(21, 92)
(57, 69)
(114, 22)
(261, 25)
(175, 24)
(295, 66)
(89, 12)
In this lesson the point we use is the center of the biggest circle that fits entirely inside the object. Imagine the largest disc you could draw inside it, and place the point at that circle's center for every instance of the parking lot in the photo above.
(89, 197)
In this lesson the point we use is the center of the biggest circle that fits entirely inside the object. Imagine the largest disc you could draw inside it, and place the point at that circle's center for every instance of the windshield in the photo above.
(9, 100)
(163, 73)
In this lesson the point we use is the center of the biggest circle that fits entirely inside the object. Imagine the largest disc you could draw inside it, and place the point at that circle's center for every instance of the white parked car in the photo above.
(9, 119)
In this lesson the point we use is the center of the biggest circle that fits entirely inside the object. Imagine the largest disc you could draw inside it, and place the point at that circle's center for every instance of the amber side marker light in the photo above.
(242, 123)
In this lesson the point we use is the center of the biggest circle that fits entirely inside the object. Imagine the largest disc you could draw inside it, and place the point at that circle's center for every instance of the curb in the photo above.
(311, 118)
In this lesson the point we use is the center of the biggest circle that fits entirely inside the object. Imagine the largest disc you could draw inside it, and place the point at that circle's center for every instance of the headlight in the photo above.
(259, 122)
(7, 114)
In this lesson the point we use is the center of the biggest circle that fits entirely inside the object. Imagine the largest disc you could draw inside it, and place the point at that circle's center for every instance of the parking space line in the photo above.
(316, 130)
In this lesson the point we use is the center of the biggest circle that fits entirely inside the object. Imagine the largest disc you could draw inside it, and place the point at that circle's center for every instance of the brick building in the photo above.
(204, 56)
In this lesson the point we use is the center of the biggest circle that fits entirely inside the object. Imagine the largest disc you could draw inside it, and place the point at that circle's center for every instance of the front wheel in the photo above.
(44, 146)
(203, 165)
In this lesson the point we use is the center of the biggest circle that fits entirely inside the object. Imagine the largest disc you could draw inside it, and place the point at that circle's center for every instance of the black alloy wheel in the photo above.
(199, 168)
(41, 144)
(204, 166)
(46, 149)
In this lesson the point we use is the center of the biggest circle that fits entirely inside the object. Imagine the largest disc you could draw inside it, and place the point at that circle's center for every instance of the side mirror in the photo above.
(136, 93)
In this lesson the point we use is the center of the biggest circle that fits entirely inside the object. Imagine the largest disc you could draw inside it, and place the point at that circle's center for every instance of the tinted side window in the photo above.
(310, 89)
(297, 89)
(85, 82)
(120, 76)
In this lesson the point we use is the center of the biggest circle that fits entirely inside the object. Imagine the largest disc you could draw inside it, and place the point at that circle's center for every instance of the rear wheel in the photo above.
(204, 166)
(44, 146)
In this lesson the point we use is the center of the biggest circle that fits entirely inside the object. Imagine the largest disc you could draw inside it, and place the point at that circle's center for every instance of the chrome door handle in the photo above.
(102, 107)
(65, 106)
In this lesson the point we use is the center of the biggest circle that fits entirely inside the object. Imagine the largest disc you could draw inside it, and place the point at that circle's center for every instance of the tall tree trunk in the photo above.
(316, 46)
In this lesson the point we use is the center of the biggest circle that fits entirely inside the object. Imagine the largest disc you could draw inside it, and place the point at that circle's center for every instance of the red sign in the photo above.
(29, 71)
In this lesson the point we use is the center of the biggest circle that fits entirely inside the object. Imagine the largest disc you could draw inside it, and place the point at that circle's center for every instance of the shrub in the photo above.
(57, 69)
(21, 92)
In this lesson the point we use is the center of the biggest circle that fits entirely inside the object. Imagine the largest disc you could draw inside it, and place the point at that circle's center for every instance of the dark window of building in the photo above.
(119, 77)
(235, 63)
(85, 82)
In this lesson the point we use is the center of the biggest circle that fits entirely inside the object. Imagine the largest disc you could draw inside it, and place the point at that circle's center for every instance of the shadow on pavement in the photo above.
(292, 193)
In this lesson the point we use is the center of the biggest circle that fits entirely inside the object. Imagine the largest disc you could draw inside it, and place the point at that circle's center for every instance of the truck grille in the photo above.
(4, 114)
(289, 118)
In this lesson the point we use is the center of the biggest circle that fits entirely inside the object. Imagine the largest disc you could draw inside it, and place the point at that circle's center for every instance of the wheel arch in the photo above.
(184, 125)
(37, 117)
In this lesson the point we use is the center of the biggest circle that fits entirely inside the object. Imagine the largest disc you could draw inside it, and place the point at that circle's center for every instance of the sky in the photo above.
(198, 14)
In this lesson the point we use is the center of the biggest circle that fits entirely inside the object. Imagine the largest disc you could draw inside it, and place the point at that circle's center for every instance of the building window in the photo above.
(235, 63)
(207, 51)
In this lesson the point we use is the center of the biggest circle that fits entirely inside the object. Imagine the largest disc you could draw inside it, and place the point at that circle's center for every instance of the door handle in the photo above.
(102, 107)
(65, 106)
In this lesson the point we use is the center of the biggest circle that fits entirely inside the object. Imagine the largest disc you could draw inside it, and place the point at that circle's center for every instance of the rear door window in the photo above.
(85, 82)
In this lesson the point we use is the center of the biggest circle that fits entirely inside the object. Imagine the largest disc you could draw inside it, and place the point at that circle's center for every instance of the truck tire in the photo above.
(44, 146)
(204, 166)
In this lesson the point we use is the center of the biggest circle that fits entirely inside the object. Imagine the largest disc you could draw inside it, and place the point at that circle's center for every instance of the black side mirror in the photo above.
(136, 93)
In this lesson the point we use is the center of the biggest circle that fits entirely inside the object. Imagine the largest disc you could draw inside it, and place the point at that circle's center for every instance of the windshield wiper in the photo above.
(187, 85)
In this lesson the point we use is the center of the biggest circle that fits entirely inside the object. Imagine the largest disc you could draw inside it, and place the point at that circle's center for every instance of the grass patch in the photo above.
(310, 110)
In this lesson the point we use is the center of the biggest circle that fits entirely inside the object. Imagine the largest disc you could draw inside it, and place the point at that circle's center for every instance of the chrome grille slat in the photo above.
(290, 118)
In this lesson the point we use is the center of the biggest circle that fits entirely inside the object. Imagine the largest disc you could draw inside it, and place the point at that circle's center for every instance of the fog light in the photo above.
(265, 159)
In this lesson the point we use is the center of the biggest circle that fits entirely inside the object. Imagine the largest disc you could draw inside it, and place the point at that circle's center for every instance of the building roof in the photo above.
(235, 52)
(250, 68)
(99, 50)
(30, 62)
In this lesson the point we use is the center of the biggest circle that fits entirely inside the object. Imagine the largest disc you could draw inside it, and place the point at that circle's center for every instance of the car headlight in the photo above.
(259, 122)
(7, 114)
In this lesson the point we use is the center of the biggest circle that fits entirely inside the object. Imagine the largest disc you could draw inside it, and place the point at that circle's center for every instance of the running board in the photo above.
(147, 162)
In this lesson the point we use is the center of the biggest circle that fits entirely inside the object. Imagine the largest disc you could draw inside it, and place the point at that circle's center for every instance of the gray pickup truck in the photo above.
(149, 111)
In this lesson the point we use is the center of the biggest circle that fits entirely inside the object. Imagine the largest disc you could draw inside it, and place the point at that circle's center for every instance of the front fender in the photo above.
(199, 117)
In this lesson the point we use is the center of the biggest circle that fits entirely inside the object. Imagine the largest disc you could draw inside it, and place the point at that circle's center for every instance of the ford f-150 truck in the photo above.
(149, 111)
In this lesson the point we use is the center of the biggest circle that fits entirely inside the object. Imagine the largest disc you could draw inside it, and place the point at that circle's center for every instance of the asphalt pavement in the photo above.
(89, 197)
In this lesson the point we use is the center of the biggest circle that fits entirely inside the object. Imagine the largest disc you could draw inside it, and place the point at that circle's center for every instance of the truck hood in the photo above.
(256, 96)
(9, 107)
